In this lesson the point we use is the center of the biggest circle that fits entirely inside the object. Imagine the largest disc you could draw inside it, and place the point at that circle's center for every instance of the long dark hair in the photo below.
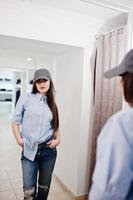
(127, 80)
(51, 104)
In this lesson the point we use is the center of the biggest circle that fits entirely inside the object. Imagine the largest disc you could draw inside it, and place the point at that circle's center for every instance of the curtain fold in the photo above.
(107, 98)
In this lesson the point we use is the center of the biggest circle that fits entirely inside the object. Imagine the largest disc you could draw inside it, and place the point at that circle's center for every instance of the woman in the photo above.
(39, 135)
(113, 174)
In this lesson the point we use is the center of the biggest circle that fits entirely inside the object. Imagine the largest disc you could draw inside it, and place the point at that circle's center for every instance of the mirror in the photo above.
(18, 61)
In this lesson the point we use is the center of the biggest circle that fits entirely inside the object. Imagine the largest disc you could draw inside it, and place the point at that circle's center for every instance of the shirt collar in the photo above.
(41, 97)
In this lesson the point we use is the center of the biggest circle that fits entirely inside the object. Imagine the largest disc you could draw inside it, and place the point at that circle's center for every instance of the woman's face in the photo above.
(42, 86)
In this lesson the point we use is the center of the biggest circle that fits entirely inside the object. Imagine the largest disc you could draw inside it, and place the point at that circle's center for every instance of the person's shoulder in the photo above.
(112, 124)
(120, 115)
(26, 96)
(31, 95)
(23, 96)
(120, 123)
(124, 115)
(114, 118)
(22, 99)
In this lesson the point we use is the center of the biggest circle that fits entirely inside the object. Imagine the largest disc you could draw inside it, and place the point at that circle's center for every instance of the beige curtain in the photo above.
(107, 99)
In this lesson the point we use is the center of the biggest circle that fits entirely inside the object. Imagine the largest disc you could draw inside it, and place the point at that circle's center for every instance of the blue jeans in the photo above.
(40, 170)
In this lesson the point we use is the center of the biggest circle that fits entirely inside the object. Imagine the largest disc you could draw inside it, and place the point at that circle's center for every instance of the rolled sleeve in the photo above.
(19, 110)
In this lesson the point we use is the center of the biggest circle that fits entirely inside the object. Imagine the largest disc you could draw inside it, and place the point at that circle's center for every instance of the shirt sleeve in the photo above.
(19, 110)
(114, 166)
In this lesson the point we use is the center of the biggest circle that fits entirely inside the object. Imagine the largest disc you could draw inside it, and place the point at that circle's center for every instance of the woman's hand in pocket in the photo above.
(53, 143)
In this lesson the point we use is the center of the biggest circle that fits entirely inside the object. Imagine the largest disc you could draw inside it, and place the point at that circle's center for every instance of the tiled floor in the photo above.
(10, 168)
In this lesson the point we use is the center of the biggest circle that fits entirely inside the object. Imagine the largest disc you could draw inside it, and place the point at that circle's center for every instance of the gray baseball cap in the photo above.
(126, 66)
(42, 74)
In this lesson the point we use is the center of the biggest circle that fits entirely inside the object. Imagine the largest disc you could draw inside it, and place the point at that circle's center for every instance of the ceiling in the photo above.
(77, 6)
(95, 8)
(31, 47)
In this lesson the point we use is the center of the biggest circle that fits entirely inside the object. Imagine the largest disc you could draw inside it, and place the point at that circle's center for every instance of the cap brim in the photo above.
(117, 71)
(41, 77)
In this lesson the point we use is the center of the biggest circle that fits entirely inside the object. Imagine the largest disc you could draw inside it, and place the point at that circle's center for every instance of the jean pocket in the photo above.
(48, 153)
(53, 149)
(49, 148)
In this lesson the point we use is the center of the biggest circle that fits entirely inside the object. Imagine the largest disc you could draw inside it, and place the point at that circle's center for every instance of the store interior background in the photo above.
(59, 37)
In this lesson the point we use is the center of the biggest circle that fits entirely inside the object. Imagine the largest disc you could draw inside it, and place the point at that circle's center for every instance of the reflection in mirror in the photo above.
(17, 76)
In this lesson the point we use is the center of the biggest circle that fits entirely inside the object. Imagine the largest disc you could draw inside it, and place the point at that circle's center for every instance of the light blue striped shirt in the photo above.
(34, 114)
(113, 174)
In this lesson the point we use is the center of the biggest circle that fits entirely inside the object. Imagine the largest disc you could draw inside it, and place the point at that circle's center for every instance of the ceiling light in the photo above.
(29, 59)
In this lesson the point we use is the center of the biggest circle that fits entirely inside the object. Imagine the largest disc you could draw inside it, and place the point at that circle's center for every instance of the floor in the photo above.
(10, 168)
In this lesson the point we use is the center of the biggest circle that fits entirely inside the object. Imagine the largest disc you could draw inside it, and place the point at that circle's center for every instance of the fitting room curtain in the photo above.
(107, 98)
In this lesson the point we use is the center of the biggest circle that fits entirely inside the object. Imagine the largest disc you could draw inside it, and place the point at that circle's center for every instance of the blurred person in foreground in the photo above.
(113, 174)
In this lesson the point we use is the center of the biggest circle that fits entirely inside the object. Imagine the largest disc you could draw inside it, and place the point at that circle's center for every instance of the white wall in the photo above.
(69, 88)
(73, 82)
(85, 115)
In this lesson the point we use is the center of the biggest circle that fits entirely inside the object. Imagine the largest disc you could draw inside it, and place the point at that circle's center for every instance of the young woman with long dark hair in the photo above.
(39, 136)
